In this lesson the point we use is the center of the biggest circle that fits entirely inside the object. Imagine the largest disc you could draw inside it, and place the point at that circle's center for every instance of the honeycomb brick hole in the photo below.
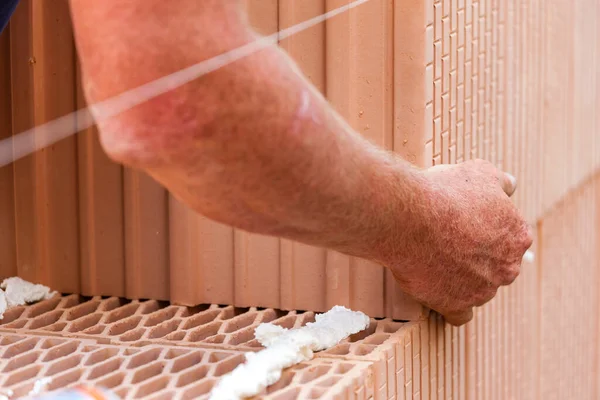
(141, 323)
(152, 350)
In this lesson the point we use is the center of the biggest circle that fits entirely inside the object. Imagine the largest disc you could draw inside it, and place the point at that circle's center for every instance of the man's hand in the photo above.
(471, 242)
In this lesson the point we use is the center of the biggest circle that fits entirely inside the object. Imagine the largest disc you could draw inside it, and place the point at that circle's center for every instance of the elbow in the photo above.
(158, 131)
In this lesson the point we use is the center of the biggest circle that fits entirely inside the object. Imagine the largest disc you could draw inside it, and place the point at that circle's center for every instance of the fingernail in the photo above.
(528, 256)
(513, 180)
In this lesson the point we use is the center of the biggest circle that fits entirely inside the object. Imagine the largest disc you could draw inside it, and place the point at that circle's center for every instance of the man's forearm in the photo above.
(252, 145)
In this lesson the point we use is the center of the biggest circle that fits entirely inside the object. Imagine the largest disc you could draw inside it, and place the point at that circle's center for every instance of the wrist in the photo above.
(407, 219)
(398, 197)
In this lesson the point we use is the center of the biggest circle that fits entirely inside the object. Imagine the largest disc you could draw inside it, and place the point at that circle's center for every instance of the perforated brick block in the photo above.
(392, 358)
(386, 347)
(161, 372)
(139, 323)
(151, 324)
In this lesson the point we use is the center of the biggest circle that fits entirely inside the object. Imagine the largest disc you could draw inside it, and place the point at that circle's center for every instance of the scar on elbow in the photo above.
(305, 111)
(162, 127)
(123, 144)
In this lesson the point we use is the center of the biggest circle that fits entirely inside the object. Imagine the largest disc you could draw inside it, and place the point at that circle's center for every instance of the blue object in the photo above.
(7, 7)
(79, 393)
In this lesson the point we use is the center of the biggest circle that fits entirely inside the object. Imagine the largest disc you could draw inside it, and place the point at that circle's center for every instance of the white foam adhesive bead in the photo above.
(6, 394)
(17, 292)
(286, 347)
(3, 303)
(40, 385)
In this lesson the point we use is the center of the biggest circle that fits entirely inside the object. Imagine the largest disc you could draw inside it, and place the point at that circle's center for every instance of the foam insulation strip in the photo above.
(285, 348)
(17, 292)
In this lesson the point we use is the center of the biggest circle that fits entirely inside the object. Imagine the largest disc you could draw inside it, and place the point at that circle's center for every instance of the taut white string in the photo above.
(41, 136)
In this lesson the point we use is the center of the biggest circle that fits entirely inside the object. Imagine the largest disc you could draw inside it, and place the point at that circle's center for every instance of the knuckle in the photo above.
(485, 296)
(527, 238)
(522, 233)
(479, 301)
(459, 307)
(511, 274)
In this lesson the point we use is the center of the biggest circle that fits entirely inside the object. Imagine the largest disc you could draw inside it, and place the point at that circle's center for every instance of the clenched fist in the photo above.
(470, 242)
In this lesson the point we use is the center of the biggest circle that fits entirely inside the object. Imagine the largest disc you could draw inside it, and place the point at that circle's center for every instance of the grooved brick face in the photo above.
(474, 97)
(465, 82)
